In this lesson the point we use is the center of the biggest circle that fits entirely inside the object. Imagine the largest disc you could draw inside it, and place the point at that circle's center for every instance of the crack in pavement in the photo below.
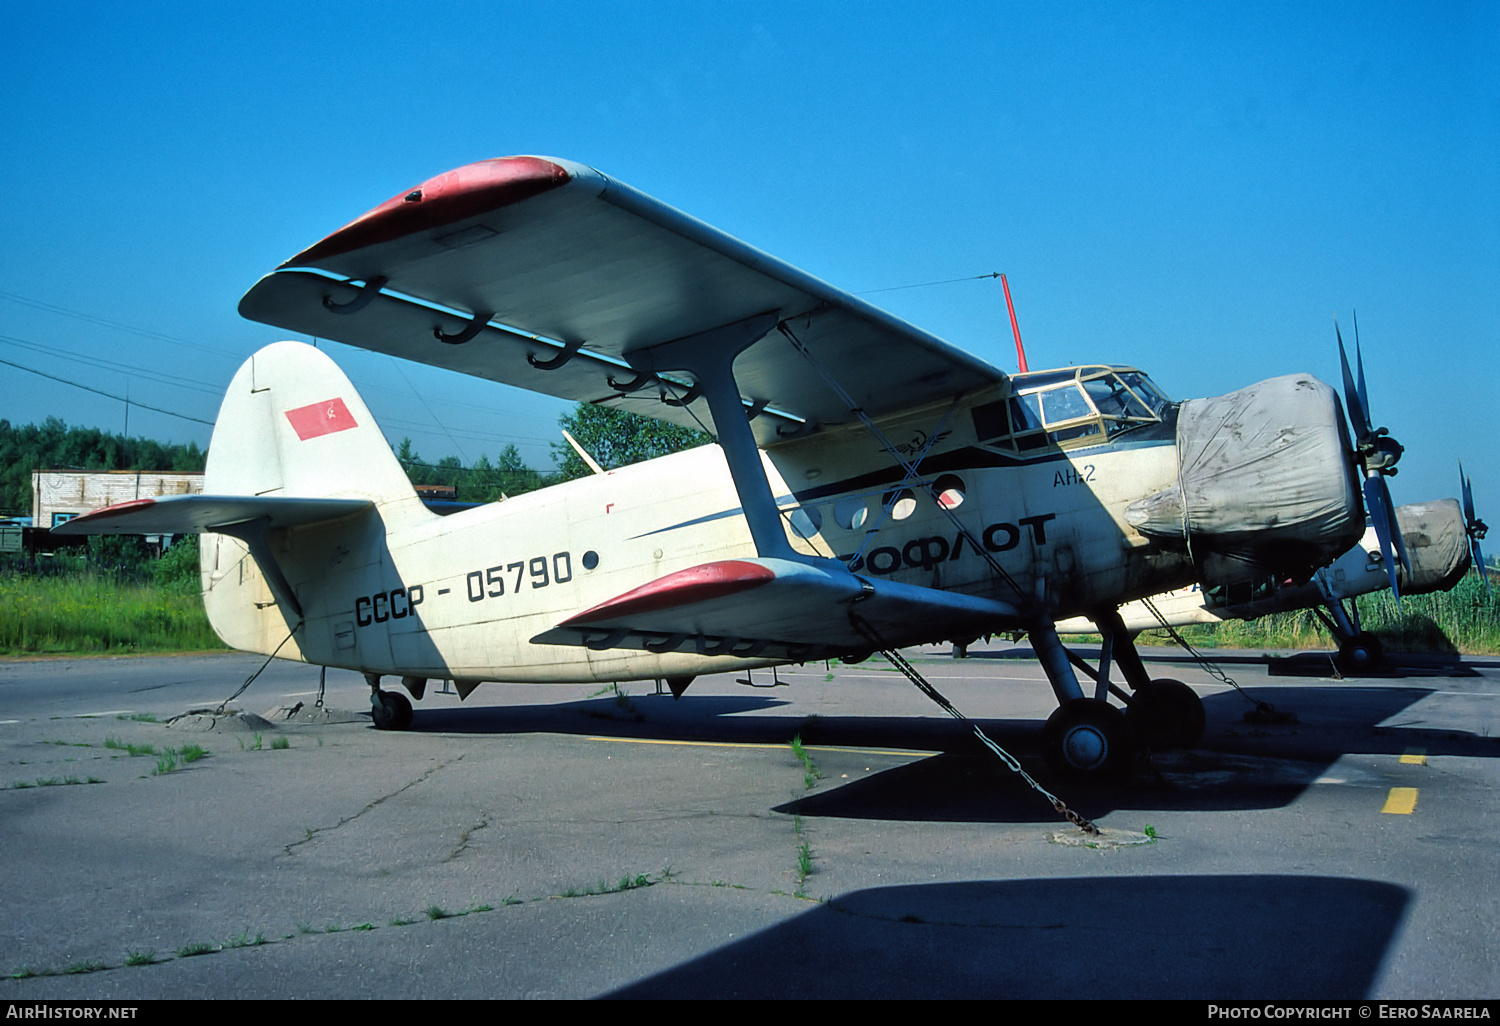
(311, 833)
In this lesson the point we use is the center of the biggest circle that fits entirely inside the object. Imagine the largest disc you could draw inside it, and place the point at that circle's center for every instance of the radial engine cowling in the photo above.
(1265, 484)
(1436, 543)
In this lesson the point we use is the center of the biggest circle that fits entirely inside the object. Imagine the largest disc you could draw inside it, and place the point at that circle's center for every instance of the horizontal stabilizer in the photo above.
(190, 514)
(776, 608)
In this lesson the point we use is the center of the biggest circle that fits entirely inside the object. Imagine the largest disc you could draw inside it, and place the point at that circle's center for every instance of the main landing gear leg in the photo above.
(1086, 739)
(1163, 713)
(1360, 652)
(389, 709)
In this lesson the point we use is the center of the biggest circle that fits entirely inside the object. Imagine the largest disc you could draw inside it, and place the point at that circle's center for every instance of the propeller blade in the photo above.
(1475, 527)
(1359, 363)
(1395, 525)
(1380, 518)
(1352, 397)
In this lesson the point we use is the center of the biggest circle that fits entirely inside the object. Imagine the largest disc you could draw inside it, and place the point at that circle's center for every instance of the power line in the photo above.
(117, 325)
(111, 365)
(109, 395)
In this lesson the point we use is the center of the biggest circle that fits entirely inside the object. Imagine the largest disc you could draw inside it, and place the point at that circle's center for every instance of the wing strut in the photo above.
(709, 358)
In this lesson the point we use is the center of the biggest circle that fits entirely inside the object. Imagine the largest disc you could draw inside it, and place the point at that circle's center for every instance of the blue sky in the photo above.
(1193, 188)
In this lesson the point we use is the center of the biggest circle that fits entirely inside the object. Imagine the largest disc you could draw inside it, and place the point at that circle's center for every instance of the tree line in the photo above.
(53, 445)
(613, 437)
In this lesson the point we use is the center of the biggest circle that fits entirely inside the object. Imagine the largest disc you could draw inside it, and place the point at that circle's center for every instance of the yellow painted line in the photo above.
(1401, 801)
(730, 744)
(1414, 757)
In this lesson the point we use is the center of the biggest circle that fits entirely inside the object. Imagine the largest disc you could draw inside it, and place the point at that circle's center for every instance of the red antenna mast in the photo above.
(1014, 327)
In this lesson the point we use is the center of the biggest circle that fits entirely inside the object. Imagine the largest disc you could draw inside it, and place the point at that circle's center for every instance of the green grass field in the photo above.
(91, 613)
(1466, 619)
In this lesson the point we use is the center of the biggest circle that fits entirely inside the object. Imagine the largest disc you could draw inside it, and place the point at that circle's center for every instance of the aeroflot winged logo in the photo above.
(322, 418)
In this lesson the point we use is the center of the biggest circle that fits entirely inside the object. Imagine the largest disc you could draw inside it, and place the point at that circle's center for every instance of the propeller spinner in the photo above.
(1475, 527)
(1378, 453)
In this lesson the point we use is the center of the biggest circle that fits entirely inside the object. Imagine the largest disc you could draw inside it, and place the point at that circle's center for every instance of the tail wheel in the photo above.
(1360, 654)
(390, 710)
(1166, 714)
(1088, 740)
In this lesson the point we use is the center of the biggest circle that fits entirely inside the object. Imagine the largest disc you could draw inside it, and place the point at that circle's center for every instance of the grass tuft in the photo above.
(811, 774)
(166, 762)
(135, 957)
(804, 858)
(244, 940)
(280, 744)
(129, 749)
(198, 948)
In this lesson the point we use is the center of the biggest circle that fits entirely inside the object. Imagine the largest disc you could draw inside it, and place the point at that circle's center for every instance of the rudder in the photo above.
(292, 424)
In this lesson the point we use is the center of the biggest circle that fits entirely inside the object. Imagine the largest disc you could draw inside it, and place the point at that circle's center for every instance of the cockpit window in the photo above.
(1064, 403)
(1114, 400)
(1070, 408)
(1026, 412)
(1146, 389)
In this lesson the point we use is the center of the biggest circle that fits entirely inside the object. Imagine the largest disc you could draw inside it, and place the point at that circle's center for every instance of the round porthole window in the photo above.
(806, 520)
(850, 514)
(949, 490)
(902, 504)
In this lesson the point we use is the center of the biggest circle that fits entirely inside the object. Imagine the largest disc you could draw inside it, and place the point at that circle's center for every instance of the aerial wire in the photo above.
(109, 395)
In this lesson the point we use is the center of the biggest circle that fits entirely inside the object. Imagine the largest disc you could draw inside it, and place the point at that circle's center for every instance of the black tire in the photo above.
(1088, 741)
(1360, 654)
(1166, 714)
(393, 712)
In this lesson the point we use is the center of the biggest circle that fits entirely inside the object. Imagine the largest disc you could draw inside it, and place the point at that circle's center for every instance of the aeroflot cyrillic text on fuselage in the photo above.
(925, 553)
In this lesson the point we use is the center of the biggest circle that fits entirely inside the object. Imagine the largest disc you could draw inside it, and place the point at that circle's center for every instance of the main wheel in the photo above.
(1087, 740)
(390, 710)
(1360, 654)
(1166, 714)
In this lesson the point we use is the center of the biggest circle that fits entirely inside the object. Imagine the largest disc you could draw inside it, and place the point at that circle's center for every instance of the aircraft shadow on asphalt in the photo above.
(1265, 937)
(1300, 664)
(1237, 765)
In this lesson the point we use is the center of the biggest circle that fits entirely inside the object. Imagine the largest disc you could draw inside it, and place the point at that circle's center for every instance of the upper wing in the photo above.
(551, 263)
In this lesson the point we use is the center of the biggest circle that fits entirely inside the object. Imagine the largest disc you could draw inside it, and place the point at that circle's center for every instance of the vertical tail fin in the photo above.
(292, 424)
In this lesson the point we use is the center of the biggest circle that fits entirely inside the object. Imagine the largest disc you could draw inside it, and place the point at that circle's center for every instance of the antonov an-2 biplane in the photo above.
(873, 487)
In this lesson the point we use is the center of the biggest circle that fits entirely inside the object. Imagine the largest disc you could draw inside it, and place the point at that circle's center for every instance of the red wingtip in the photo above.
(450, 197)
